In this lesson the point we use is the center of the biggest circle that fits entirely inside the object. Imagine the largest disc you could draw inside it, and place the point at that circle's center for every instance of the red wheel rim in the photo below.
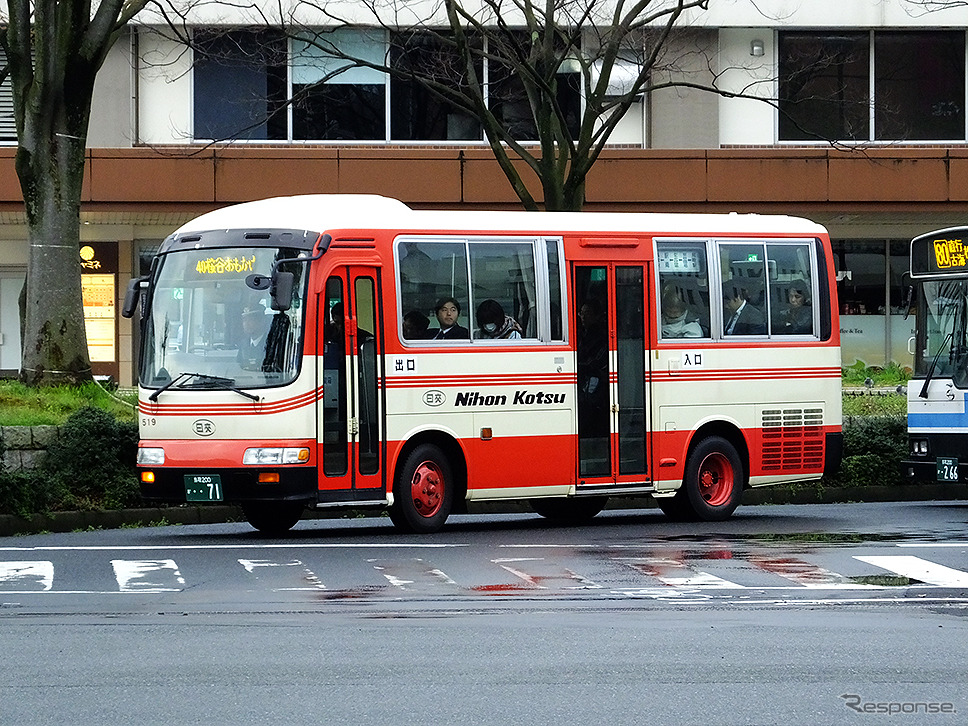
(715, 480)
(427, 489)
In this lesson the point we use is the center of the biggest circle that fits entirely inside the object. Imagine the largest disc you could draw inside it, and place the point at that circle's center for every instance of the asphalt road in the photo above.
(785, 614)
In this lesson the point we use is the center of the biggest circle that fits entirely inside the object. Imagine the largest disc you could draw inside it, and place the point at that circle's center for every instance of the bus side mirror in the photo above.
(280, 292)
(132, 296)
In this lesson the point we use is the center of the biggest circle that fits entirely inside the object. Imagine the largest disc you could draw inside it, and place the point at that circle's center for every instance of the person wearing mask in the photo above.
(677, 322)
(494, 324)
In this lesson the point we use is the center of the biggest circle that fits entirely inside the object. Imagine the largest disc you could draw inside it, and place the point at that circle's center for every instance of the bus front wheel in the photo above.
(424, 491)
(713, 484)
(272, 518)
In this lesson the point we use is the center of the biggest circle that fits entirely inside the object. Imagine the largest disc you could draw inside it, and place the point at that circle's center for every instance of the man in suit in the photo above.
(742, 318)
(447, 311)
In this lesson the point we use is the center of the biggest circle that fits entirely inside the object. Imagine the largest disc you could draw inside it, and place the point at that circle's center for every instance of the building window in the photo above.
(416, 113)
(332, 98)
(861, 269)
(919, 86)
(824, 86)
(826, 90)
(508, 100)
(8, 124)
(257, 85)
(240, 85)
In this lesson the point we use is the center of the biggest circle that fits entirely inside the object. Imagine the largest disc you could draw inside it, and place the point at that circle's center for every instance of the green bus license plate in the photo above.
(947, 469)
(203, 488)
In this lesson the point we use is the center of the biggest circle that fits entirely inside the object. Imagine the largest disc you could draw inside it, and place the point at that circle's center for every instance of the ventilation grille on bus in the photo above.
(793, 439)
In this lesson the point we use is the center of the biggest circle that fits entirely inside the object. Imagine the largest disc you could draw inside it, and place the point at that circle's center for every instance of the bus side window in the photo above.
(505, 300)
(429, 274)
(791, 289)
(554, 289)
(683, 290)
(745, 302)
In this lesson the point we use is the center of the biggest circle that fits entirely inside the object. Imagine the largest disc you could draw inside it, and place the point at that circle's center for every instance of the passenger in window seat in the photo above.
(493, 323)
(447, 311)
(797, 319)
(742, 317)
(677, 320)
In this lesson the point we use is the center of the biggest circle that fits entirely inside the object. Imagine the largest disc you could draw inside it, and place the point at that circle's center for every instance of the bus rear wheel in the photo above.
(714, 479)
(424, 491)
(569, 511)
(272, 518)
(712, 487)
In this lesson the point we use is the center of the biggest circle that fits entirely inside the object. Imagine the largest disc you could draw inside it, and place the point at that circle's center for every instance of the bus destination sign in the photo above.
(940, 253)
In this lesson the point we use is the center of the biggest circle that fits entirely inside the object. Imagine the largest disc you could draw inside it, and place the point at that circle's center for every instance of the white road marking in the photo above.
(676, 573)
(918, 569)
(36, 575)
(678, 576)
(308, 575)
(805, 574)
(544, 575)
(293, 546)
(144, 575)
(412, 572)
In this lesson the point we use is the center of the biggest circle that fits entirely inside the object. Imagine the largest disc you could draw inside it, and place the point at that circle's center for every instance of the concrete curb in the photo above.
(217, 514)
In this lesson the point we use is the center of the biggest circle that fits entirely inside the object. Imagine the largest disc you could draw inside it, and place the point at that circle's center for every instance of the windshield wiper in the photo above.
(934, 363)
(227, 384)
(219, 384)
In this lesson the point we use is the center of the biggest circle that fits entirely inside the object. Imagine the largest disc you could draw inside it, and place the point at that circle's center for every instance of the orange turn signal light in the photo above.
(148, 477)
(268, 477)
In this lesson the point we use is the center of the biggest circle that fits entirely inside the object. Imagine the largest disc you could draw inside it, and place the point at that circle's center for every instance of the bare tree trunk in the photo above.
(54, 341)
(54, 51)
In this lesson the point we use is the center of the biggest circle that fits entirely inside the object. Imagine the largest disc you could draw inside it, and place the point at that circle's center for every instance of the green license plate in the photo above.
(947, 468)
(203, 488)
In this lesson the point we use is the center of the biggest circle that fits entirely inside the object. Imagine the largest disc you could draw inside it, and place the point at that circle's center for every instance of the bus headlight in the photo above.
(273, 455)
(919, 447)
(151, 457)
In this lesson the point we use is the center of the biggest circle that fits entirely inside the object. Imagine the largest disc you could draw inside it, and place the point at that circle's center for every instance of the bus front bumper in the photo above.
(927, 470)
(198, 485)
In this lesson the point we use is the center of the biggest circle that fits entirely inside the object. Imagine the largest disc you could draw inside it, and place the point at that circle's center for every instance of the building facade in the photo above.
(863, 129)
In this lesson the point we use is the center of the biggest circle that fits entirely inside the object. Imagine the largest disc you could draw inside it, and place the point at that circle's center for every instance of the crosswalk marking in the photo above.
(259, 567)
(27, 575)
(918, 569)
(803, 573)
(677, 573)
(668, 574)
(541, 575)
(412, 574)
(148, 575)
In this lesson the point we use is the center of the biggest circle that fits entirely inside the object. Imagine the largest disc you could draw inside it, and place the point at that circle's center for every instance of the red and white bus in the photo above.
(348, 351)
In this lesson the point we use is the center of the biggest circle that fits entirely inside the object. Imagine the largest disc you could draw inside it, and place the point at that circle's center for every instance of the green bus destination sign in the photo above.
(941, 253)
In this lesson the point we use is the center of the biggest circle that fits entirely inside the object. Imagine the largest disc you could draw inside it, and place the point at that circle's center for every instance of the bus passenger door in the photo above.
(351, 409)
(610, 322)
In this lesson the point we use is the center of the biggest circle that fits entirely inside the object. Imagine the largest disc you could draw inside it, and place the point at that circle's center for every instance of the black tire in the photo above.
(272, 518)
(677, 508)
(570, 511)
(423, 493)
(714, 480)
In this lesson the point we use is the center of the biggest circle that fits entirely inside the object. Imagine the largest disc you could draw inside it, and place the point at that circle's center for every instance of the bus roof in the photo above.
(325, 212)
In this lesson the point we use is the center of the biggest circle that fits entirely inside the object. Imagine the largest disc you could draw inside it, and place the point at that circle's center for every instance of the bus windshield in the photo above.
(941, 349)
(206, 328)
